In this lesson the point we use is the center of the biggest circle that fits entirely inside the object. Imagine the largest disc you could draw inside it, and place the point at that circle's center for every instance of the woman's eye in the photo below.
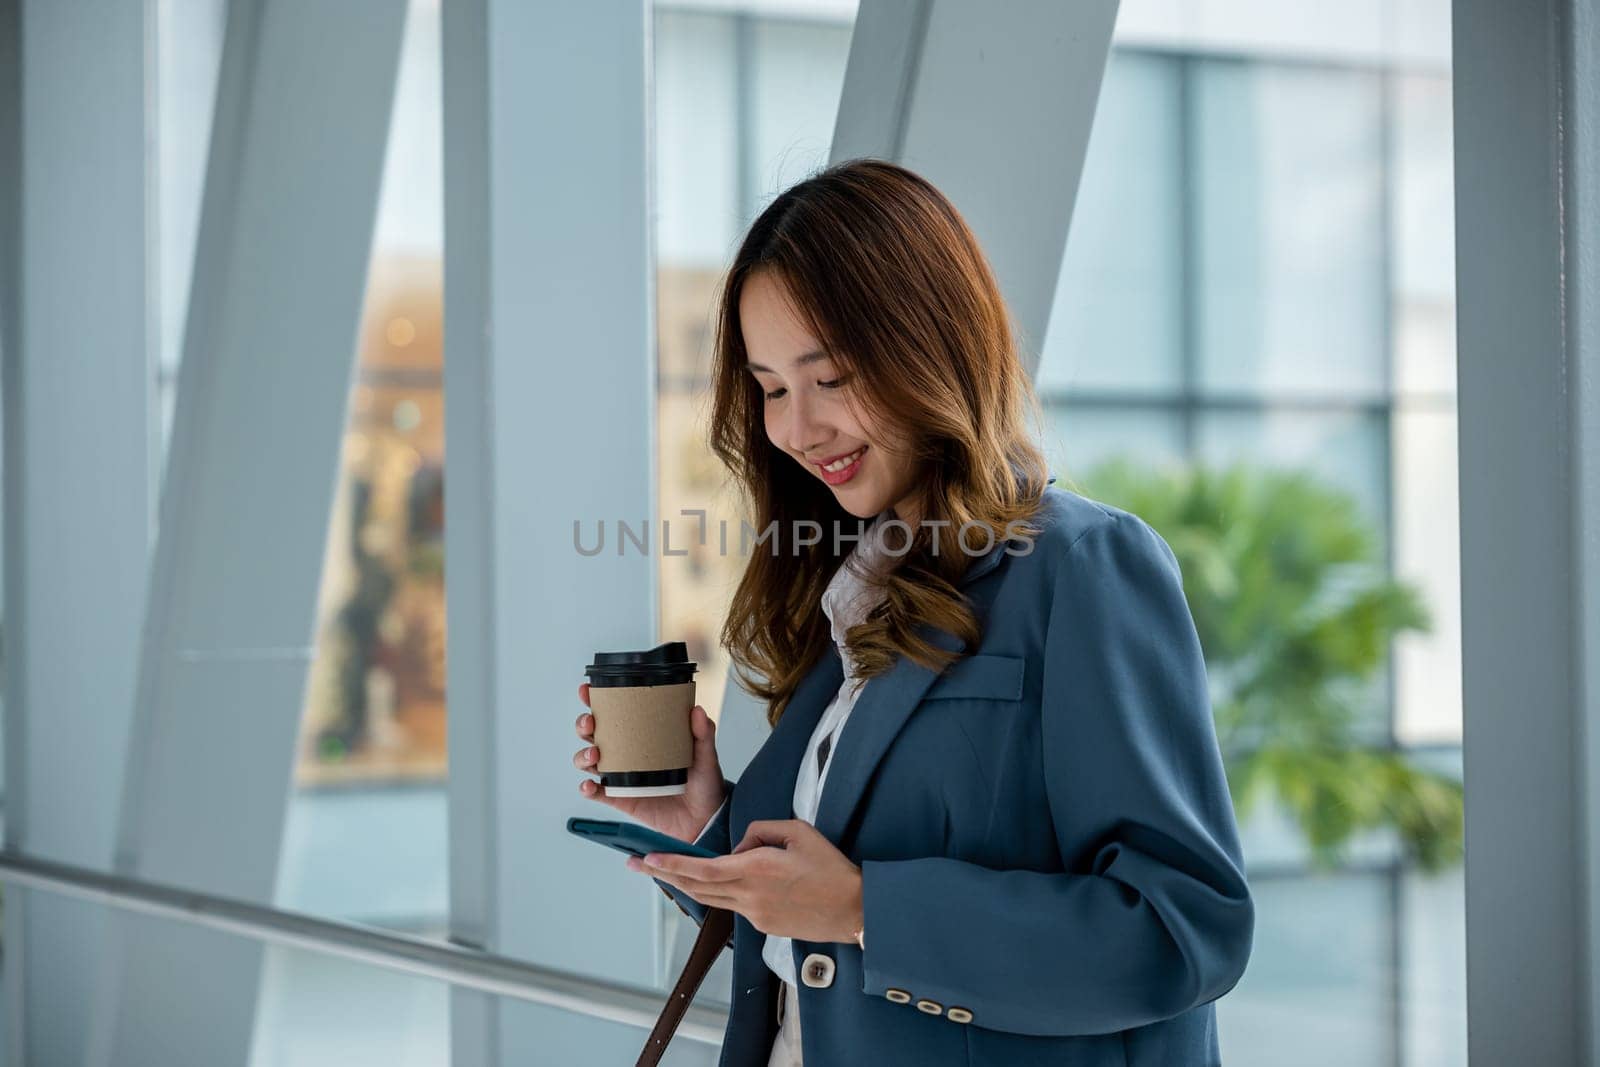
(832, 384)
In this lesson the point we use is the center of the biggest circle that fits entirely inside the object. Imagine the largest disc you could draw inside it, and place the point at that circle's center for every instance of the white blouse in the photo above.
(846, 602)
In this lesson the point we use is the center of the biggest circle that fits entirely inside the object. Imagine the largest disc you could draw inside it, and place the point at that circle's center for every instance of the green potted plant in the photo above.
(1295, 613)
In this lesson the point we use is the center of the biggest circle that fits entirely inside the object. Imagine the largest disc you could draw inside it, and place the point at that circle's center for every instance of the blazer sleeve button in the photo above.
(958, 1015)
(932, 1007)
(899, 996)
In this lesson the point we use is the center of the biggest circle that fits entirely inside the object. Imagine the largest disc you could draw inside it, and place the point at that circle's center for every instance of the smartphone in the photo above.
(634, 839)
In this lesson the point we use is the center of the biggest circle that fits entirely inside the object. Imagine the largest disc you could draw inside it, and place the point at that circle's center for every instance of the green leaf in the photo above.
(1296, 615)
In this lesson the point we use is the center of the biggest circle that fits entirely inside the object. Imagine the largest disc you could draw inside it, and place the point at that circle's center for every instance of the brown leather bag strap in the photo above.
(715, 932)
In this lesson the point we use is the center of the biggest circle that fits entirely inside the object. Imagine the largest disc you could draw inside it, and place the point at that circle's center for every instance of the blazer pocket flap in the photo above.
(985, 675)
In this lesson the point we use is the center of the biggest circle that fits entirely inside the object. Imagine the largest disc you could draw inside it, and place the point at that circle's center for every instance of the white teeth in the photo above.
(838, 465)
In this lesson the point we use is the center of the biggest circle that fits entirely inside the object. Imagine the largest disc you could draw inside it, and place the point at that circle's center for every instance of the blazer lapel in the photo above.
(882, 708)
(766, 787)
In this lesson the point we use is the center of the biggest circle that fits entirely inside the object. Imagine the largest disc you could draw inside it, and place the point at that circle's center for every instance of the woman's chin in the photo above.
(858, 504)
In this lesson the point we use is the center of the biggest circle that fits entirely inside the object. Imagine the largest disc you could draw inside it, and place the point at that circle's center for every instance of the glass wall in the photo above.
(365, 837)
(1254, 316)
(312, 1009)
(744, 107)
(1307, 208)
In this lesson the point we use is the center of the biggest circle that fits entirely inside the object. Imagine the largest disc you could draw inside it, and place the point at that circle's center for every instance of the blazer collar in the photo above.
(882, 708)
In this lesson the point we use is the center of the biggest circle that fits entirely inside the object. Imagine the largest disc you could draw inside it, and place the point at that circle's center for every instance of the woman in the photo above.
(990, 825)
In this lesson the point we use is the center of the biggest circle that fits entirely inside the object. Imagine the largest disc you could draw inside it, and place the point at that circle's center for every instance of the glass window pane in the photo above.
(697, 169)
(1345, 450)
(1291, 294)
(1080, 436)
(798, 77)
(365, 837)
(1433, 956)
(1275, 844)
(316, 1010)
(695, 587)
(188, 55)
(307, 1009)
(1427, 523)
(1423, 236)
(1118, 314)
(167, 397)
(793, 71)
(1317, 990)
(1288, 196)
(370, 854)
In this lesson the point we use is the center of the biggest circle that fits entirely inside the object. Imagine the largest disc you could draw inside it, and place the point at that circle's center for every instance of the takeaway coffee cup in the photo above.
(642, 703)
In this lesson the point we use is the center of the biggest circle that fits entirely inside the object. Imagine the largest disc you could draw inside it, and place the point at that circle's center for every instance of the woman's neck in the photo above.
(907, 511)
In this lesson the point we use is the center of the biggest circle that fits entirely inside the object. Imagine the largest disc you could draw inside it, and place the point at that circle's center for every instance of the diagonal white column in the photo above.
(302, 114)
(77, 334)
(993, 104)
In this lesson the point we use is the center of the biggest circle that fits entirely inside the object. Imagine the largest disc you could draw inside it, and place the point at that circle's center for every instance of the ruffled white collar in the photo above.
(846, 601)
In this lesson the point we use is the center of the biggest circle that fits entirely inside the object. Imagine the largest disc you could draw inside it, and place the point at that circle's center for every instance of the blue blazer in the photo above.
(1051, 872)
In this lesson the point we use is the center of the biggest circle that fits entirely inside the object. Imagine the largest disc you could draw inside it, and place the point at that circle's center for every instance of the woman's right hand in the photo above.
(681, 816)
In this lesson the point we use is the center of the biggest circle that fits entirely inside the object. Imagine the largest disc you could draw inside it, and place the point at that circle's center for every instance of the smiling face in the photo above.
(809, 411)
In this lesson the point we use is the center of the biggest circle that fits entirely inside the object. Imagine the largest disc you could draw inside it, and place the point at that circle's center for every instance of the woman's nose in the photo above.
(806, 434)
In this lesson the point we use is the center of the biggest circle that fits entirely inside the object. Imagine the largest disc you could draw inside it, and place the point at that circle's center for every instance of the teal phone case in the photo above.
(634, 839)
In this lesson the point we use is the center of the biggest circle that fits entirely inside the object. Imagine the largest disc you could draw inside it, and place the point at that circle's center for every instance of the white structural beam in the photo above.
(1527, 140)
(78, 391)
(550, 394)
(993, 104)
(13, 979)
(301, 119)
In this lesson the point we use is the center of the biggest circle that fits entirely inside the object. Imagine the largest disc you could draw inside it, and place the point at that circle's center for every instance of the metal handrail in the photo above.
(458, 965)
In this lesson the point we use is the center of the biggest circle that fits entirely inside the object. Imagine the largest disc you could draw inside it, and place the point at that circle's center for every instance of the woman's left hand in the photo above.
(803, 888)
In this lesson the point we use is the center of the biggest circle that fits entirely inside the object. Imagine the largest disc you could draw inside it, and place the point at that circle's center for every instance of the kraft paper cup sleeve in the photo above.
(643, 728)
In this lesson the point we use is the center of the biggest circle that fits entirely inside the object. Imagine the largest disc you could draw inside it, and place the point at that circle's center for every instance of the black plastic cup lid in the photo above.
(666, 664)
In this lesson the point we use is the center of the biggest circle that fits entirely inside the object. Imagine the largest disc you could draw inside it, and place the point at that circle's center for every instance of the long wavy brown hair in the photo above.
(888, 277)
